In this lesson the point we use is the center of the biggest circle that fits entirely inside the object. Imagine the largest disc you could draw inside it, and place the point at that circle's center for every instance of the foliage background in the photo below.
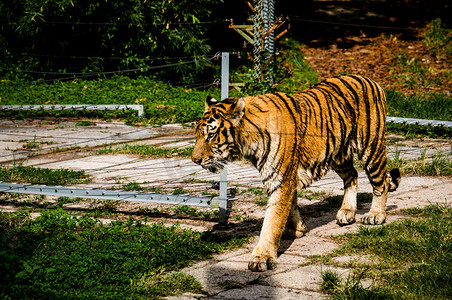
(91, 36)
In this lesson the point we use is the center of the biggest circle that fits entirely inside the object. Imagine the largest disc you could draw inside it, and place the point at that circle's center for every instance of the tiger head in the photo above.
(216, 133)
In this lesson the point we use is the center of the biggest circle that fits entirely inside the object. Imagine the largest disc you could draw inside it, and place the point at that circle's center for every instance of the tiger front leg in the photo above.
(264, 254)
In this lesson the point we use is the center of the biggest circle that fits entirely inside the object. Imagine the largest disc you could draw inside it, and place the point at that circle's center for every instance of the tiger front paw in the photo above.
(345, 216)
(261, 264)
(374, 218)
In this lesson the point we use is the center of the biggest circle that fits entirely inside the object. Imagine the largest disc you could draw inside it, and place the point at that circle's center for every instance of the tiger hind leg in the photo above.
(347, 212)
(376, 171)
(295, 226)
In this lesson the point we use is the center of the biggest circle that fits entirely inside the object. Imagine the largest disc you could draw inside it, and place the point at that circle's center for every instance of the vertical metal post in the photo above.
(257, 36)
(224, 75)
(264, 40)
(268, 16)
(224, 174)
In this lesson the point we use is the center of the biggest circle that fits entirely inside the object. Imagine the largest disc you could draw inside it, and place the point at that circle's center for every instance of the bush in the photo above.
(86, 36)
(438, 39)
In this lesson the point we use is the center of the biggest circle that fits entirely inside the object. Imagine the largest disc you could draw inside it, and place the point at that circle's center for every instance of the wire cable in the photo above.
(352, 25)
(74, 75)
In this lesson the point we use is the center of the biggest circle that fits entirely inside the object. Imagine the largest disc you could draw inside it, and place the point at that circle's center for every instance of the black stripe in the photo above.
(294, 145)
(259, 161)
(330, 133)
(346, 106)
(379, 162)
(287, 107)
(333, 104)
(366, 133)
(317, 113)
(259, 108)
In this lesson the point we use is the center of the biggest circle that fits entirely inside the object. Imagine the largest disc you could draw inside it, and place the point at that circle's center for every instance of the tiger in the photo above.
(293, 140)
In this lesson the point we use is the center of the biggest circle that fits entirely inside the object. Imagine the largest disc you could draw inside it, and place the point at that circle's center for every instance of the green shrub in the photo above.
(59, 36)
(438, 39)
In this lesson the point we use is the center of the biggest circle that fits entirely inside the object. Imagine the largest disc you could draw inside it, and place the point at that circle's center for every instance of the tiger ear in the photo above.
(210, 102)
(237, 111)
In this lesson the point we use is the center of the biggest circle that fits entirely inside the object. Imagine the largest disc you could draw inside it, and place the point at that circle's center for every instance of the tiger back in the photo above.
(295, 139)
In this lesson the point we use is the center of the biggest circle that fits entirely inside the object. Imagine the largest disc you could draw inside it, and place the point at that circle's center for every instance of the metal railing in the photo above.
(103, 194)
(122, 107)
(411, 121)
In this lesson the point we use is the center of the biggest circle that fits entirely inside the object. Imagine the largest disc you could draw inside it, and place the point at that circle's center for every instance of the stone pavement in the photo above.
(225, 276)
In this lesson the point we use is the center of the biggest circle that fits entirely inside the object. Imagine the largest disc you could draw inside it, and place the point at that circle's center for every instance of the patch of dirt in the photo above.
(386, 59)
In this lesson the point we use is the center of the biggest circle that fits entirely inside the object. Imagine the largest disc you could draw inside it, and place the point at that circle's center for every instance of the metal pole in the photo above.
(224, 75)
(257, 36)
(268, 16)
(224, 174)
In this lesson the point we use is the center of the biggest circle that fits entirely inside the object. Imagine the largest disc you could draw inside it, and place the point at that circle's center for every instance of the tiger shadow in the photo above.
(229, 278)
(323, 214)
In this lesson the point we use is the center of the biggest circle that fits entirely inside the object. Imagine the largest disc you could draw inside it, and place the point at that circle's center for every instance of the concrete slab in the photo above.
(46, 138)
(267, 292)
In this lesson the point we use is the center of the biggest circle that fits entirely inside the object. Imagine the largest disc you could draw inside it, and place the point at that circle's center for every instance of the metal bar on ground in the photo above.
(101, 194)
(412, 121)
(122, 107)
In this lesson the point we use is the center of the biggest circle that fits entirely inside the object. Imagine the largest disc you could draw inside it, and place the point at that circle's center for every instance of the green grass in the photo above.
(21, 174)
(419, 131)
(185, 210)
(262, 200)
(60, 201)
(84, 123)
(430, 210)
(411, 259)
(132, 186)
(62, 256)
(162, 102)
(256, 190)
(180, 191)
(414, 74)
(350, 287)
(432, 106)
(145, 150)
(439, 165)
(31, 144)
(310, 195)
